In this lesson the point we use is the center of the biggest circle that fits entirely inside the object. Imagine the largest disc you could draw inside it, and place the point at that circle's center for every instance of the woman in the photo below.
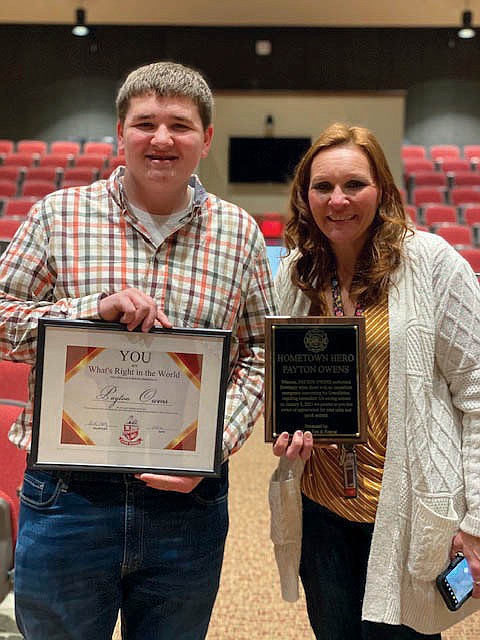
(351, 251)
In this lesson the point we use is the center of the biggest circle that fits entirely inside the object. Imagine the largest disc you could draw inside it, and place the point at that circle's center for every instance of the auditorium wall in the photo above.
(54, 85)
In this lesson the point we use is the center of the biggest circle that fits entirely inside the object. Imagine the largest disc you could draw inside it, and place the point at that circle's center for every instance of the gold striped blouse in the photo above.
(322, 480)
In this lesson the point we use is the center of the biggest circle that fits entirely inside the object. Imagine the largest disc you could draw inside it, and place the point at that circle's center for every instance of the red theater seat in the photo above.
(8, 188)
(59, 160)
(472, 152)
(65, 146)
(464, 195)
(13, 174)
(19, 159)
(455, 164)
(473, 258)
(38, 188)
(428, 195)
(18, 207)
(471, 215)
(6, 146)
(13, 396)
(80, 175)
(98, 148)
(89, 160)
(38, 147)
(464, 178)
(439, 214)
(440, 152)
(411, 151)
(457, 235)
(8, 227)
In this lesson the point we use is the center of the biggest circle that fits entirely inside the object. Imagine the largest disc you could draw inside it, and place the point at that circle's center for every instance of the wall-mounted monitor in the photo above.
(256, 159)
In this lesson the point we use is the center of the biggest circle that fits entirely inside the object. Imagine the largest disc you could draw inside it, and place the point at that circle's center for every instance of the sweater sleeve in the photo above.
(458, 357)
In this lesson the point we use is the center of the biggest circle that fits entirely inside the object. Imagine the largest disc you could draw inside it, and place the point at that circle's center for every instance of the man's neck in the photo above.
(159, 201)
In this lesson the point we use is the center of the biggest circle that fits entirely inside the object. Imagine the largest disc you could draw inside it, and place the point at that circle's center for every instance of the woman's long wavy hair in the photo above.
(381, 255)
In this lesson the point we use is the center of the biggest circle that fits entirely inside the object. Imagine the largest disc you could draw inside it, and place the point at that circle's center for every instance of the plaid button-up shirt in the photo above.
(81, 243)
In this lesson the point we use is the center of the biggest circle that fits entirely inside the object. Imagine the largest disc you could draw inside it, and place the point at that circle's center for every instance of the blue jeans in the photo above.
(91, 544)
(333, 570)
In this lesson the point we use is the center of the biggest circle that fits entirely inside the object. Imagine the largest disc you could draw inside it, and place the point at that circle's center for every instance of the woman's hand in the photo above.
(470, 547)
(300, 447)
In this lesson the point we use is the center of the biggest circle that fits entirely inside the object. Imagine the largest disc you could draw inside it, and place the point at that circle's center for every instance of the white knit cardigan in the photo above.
(431, 480)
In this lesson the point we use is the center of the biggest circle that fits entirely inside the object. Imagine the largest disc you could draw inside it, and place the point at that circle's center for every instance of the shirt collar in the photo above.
(114, 187)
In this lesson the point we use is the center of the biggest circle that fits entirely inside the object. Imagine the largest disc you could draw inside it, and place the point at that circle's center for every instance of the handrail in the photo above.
(13, 403)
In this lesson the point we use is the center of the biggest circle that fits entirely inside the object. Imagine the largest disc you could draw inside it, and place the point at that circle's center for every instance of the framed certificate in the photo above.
(315, 378)
(107, 399)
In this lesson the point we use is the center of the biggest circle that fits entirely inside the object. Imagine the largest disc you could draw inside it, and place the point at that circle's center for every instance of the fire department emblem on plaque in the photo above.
(316, 340)
(131, 430)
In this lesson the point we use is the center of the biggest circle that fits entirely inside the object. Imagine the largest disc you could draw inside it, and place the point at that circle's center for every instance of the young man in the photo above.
(147, 247)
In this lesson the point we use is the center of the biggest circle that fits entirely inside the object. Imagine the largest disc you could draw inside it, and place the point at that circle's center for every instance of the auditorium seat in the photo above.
(459, 236)
(6, 146)
(471, 217)
(8, 228)
(464, 195)
(428, 195)
(95, 161)
(98, 148)
(472, 152)
(20, 159)
(455, 164)
(37, 188)
(464, 179)
(8, 188)
(50, 174)
(73, 182)
(39, 147)
(65, 146)
(272, 225)
(417, 164)
(18, 207)
(434, 215)
(440, 152)
(13, 173)
(411, 151)
(428, 179)
(60, 160)
(472, 256)
(80, 175)
(13, 397)
(471, 214)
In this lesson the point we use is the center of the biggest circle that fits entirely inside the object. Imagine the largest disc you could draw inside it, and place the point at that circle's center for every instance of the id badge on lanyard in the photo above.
(348, 461)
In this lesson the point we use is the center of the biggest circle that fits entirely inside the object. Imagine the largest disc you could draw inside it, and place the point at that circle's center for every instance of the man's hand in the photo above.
(133, 308)
(182, 484)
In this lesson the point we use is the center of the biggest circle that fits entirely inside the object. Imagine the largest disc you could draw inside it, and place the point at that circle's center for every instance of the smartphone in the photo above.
(455, 583)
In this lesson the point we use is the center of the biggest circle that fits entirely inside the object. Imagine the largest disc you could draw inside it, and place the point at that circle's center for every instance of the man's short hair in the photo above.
(167, 79)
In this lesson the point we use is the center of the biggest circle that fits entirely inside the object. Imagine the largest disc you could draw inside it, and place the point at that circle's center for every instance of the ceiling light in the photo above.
(80, 28)
(466, 30)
